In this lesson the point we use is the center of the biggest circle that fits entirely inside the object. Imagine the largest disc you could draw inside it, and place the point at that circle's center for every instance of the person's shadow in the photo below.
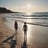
(9, 38)
(24, 45)
(12, 42)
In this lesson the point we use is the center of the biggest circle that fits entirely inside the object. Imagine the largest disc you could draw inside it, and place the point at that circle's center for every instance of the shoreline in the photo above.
(4, 30)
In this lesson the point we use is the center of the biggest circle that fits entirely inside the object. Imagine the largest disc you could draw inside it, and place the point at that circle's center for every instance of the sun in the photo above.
(28, 6)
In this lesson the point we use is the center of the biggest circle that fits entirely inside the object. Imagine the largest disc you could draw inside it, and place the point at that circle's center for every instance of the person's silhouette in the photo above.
(25, 28)
(16, 26)
(25, 31)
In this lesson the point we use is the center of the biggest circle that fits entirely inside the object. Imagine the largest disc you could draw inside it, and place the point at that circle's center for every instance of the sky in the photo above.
(25, 5)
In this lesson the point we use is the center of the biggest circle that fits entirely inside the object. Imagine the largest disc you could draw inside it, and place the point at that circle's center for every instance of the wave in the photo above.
(44, 25)
(37, 24)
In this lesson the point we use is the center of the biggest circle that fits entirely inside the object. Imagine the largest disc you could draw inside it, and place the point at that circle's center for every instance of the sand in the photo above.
(4, 31)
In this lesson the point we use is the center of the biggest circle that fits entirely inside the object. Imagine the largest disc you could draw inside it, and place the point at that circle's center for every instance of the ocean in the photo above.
(37, 33)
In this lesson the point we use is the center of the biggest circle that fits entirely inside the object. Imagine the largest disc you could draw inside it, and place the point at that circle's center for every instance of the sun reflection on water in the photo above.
(28, 13)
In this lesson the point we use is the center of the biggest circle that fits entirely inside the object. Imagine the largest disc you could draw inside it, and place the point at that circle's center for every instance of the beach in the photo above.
(4, 31)
(37, 36)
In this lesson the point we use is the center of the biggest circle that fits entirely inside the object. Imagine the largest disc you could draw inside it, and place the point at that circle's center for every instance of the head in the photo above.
(24, 22)
(15, 21)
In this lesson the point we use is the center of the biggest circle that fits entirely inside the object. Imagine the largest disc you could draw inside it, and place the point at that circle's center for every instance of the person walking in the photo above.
(25, 31)
(16, 26)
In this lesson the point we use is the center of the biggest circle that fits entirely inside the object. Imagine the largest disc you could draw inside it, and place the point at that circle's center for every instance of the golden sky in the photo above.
(25, 5)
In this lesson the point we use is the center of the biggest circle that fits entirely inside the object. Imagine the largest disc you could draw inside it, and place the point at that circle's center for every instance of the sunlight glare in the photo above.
(28, 13)
(28, 6)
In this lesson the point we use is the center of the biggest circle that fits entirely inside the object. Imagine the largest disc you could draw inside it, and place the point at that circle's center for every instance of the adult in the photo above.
(16, 26)
(25, 31)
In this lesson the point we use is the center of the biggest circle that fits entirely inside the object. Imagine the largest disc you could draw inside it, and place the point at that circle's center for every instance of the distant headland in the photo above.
(5, 10)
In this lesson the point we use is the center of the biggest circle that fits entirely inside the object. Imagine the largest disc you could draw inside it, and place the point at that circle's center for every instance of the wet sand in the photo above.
(4, 31)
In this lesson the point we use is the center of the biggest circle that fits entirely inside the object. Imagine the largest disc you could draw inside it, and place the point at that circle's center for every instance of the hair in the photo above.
(24, 22)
